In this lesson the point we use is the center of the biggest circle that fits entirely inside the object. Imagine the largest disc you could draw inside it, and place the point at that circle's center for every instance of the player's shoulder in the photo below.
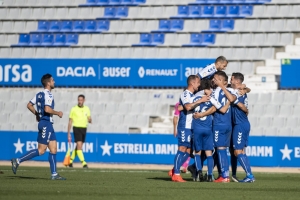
(187, 93)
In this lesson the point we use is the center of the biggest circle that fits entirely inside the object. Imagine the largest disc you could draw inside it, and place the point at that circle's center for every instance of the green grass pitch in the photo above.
(85, 184)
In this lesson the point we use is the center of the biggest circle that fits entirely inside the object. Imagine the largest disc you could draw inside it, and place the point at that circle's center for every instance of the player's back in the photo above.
(42, 99)
(220, 118)
(206, 121)
(185, 117)
(239, 116)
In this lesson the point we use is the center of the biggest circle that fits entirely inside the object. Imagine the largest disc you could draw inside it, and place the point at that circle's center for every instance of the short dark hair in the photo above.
(221, 59)
(81, 95)
(239, 76)
(223, 74)
(45, 79)
(205, 84)
(191, 78)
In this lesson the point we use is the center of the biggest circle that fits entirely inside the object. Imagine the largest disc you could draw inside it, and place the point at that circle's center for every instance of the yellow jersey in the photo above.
(79, 116)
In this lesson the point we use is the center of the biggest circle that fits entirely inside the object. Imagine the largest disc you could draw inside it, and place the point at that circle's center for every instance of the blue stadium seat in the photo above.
(145, 40)
(233, 11)
(91, 2)
(225, 1)
(35, 40)
(102, 2)
(109, 12)
(220, 11)
(78, 26)
(127, 2)
(115, 2)
(251, 1)
(208, 39)
(246, 10)
(102, 25)
(59, 40)
(47, 40)
(182, 12)
(139, 1)
(238, 1)
(164, 26)
(90, 26)
(54, 26)
(264, 1)
(207, 11)
(95, 3)
(24, 40)
(122, 12)
(43, 26)
(194, 11)
(227, 25)
(66, 26)
(212, 1)
(195, 40)
(214, 25)
(158, 39)
(72, 39)
(177, 25)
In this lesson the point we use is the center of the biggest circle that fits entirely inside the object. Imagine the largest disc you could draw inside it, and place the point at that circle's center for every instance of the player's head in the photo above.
(206, 86)
(81, 99)
(193, 82)
(221, 63)
(236, 78)
(221, 76)
(48, 81)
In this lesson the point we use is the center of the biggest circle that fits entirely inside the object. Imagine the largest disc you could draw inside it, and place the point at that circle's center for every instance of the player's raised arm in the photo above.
(191, 106)
(218, 80)
(209, 111)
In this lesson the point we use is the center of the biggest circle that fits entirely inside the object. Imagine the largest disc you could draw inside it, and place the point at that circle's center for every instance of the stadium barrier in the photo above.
(150, 148)
(100, 72)
(289, 79)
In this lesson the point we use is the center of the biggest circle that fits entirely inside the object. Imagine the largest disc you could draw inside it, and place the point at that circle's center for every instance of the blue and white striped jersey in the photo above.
(208, 71)
(42, 99)
(186, 117)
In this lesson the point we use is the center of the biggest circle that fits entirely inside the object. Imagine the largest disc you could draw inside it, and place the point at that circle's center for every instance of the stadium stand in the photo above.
(253, 34)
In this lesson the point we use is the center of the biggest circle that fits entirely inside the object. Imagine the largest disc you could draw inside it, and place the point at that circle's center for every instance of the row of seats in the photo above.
(273, 110)
(276, 98)
(275, 121)
(272, 131)
(46, 40)
(255, 53)
(76, 26)
(151, 12)
(188, 25)
(147, 39)
(41, 3)
(113, 2)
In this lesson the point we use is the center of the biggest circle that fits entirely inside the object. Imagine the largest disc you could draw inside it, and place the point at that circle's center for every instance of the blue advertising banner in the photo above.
(150, 148)
(289, 79)
(101, 72)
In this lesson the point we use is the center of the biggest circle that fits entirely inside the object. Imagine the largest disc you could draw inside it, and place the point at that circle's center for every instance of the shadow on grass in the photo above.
(26, 177)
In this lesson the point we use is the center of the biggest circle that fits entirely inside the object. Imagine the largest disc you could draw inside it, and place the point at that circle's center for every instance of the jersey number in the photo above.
(224, 101)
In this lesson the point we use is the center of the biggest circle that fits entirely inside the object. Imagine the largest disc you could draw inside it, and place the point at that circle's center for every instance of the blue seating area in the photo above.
(218, 11)
(150, 40)
(170, 26)
(253, 2)
(47, 40)
(115, 13)
(218, 25)
(72, 26)
(112, 2)
(201, 40)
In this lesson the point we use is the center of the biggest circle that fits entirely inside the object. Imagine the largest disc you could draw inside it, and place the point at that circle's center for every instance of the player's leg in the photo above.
(77, 137)
(208, 146)
(52, 157)
(233, 161)
(222, 141)
(216, 161)
(197, 148)
(240, 137)
(79, 144)
(42, 146)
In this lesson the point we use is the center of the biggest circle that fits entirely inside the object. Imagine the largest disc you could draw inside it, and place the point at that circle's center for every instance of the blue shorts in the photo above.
(203, 139)
(240, 135)
(222, 135)
(184, 137)
(46, 132)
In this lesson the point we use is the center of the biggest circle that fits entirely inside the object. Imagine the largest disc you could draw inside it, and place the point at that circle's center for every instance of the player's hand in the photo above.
(175, 133)
(204, 99)
(218, 82)
(37, 117)
(60, 114)
(197, 115)
(69, 138)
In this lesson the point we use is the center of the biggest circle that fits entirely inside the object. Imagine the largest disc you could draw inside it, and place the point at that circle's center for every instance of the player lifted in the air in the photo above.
(185, 124)
(241, 127)
(44, 102)
(219, 65)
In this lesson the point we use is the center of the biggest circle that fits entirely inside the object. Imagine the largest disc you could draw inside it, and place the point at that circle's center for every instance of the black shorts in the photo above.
(79, 134)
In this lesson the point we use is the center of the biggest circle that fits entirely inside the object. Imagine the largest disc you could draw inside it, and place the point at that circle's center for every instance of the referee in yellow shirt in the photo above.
(80, 116)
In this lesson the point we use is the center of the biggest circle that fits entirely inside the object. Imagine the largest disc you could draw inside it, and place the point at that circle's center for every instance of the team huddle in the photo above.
(213, 117)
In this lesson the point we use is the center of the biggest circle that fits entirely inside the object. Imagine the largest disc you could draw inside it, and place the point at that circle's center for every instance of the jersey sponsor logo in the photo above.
(156, 72)
(15, 73)
(79, 71)
(192, 71)
(116, 71)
